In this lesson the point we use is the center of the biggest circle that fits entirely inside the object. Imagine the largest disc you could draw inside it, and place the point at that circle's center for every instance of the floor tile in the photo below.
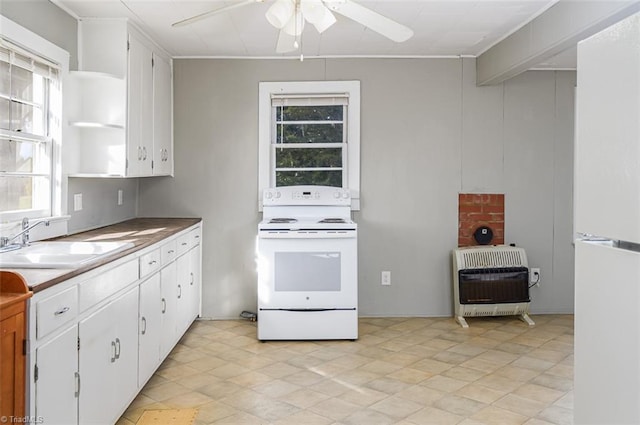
(404, 371)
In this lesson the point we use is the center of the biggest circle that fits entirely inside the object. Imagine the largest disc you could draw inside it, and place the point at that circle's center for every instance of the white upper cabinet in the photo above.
(119, 103)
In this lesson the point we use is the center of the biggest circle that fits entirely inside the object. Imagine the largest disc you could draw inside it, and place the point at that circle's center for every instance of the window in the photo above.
(309, 135)
(30, 124)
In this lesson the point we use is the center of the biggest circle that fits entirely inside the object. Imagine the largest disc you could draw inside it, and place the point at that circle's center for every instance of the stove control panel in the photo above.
(306, 195)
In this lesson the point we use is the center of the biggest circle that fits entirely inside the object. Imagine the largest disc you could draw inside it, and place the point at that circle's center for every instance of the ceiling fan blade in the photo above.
(204, 15)
(370, 19)
(286, 43)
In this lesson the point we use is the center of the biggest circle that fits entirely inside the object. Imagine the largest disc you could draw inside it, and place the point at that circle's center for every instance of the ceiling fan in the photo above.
(290, 16)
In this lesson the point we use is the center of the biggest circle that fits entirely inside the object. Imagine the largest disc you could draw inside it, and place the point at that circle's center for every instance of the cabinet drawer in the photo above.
(168, 252)
(195, 236)
(149, 262)
(55, 311)
(108, 283)
(183, 243)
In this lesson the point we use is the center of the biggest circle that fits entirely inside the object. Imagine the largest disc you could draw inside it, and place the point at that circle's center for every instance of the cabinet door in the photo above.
(162, 117)
(168, 291)
(58, 381)
(184, 295)
(140, 114)
(108, 360)
(13, 364)
(196, 281)
(149, 328)
(126, 349)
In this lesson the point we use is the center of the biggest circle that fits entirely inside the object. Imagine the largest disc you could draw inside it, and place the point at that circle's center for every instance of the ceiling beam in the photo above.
(560, 27)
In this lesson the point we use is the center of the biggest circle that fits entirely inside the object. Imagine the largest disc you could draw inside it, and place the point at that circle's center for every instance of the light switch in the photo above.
(77, 202)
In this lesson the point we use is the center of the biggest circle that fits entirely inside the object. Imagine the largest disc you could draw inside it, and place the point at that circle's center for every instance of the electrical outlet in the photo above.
(120, 196)
(77, 202)
(534, 276)
(386, 278)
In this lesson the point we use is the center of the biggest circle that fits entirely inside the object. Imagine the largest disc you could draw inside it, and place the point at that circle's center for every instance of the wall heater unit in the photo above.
(490, 281)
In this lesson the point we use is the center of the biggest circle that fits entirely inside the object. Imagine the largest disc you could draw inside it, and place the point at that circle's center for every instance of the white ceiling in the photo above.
(441, 27)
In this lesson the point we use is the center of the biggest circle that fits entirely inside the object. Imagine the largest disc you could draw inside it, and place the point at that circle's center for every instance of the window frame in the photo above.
(38, 46)
(351, 143)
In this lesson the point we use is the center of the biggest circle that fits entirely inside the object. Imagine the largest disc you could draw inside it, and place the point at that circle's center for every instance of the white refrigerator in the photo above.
(607, 225)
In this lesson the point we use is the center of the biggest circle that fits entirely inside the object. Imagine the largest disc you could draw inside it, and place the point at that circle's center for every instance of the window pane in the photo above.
(23, 157)
(308, 158)
(5, 123)
(27, 119)
(314, 178)
(310, 113)
(309, 133)
(22, 83)
(19, 193)
(4, 78)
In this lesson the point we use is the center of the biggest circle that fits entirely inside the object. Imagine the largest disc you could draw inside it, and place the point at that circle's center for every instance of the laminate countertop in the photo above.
(142, 232)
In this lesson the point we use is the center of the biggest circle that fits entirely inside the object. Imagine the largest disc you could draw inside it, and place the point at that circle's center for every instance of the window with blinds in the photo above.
(309, 139)
(29, 87)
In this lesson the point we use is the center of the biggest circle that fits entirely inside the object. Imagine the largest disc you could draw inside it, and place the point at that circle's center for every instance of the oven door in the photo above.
(303, 271)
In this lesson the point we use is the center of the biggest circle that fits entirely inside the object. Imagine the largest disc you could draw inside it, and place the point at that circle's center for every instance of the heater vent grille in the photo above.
(490, 257)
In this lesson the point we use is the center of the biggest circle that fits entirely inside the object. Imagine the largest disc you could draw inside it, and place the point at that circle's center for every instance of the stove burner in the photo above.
(332, 220)
(282, 220)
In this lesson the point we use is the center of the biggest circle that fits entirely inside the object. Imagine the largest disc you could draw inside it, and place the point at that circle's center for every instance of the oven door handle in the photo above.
(302, 234)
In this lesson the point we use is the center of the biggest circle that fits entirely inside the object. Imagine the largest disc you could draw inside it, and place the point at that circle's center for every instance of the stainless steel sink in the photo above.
(60, 255)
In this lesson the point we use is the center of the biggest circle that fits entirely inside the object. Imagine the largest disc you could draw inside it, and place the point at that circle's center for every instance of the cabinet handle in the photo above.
(144, 326)
(113, 357)
(139, 153)
(144, 153)
(179, 291)
(77, 376)
(63, 310)
(171, 251)
(117, 348)
(164, 306)
(152, 262)
(191, 283)
(184, 244)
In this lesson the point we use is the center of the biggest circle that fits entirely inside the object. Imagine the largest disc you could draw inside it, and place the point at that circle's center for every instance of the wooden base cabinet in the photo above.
(13, 297)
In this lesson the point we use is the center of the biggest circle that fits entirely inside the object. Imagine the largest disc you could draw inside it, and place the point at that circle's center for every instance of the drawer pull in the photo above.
(179, 291)
(164, 306)
(197, 236)
(62, 311)
(192, 280)
(152, 262)
(117, 348)
(113, 357)
(184, 244)
(171, 251)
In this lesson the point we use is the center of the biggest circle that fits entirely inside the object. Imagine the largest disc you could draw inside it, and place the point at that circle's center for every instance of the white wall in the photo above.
(428, 133)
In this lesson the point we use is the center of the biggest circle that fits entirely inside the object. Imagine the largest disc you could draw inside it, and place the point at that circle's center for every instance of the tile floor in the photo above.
(400, 371)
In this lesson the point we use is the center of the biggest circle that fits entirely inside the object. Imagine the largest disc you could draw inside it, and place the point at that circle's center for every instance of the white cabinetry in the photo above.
(120, 103)
(57, 374)
(108, 359)
(97, 338)
(150, 327)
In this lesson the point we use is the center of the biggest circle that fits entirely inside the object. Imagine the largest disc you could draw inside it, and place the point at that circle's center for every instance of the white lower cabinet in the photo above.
(87, 368)
(150, 327)
(108, 359)
(168, 308)
(57, 379)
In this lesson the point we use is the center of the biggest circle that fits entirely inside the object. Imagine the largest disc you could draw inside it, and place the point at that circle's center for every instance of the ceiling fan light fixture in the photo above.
(317, 14)
(280, 13)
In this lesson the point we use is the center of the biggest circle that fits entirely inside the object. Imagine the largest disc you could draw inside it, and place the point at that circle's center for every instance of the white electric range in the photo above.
(307, 265)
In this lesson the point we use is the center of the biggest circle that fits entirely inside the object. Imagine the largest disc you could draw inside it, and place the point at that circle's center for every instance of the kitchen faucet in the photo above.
(4, 241)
